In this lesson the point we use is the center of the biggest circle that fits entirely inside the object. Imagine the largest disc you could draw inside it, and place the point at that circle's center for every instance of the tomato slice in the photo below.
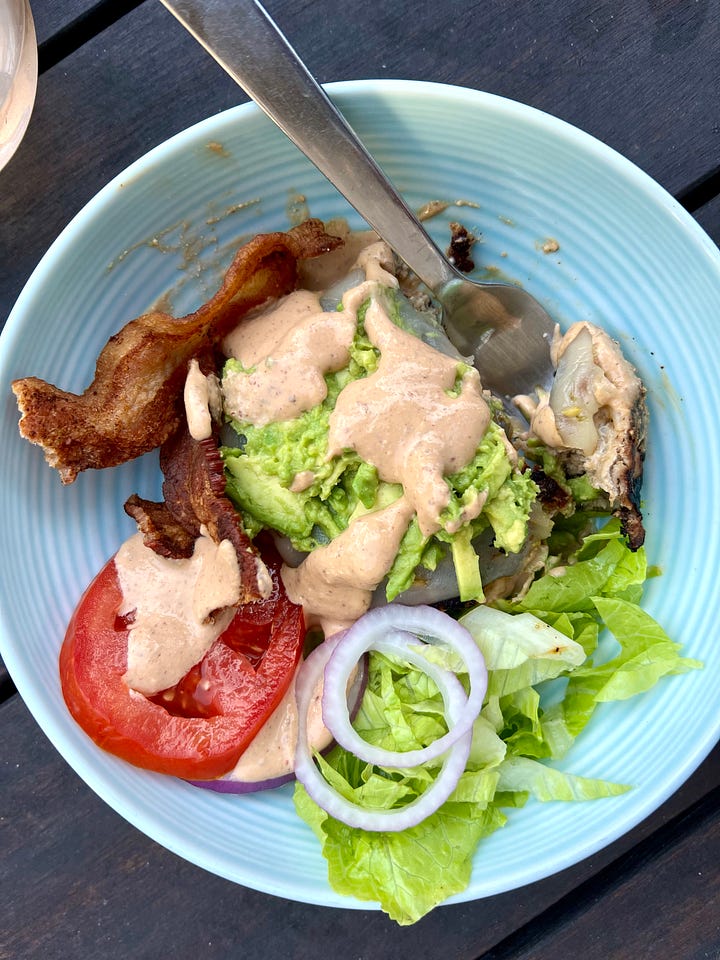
(198, 729)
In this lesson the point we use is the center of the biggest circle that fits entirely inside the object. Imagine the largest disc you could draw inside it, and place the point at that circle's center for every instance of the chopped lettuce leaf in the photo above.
(520, 651)
(509, 641)
(646, 655)
(601, 591)
(407, 873)
(412, 871)
(524, 775)
(647, 652)
(606, 567)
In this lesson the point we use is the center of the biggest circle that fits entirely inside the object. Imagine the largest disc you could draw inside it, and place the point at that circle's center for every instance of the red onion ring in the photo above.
(459, 715)
(224, 785)
(421, 624)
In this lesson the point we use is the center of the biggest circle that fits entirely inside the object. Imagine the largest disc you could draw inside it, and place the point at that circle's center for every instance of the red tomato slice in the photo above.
(196, 730)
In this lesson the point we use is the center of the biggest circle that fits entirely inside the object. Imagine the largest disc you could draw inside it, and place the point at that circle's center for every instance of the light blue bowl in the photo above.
(629, 259)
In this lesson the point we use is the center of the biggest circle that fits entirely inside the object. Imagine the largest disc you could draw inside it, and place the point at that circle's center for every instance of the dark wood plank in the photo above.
(708, 216)
(50, 16)
(609, 70)
(86, 25)
(77, 880)
(616, 916)
(641, 76)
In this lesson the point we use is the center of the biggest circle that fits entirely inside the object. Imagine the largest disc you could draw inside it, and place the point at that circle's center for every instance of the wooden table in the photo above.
(119, 76)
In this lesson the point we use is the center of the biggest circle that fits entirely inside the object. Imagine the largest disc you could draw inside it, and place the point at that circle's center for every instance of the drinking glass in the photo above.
(18, 73)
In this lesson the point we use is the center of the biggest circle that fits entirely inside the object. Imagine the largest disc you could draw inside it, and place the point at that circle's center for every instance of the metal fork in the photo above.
(502, 327)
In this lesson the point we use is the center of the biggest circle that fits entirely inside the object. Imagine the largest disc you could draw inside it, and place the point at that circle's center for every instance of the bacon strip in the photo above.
(161, 531)
(134, 403)
(194, 492)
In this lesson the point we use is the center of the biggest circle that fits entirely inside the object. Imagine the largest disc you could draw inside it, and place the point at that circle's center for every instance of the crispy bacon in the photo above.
(134, 403)
(460, 250)
(194, 492)
(161, 531)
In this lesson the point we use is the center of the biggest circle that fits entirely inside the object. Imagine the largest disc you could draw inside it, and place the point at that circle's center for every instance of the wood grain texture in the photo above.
(50, 16)
(662, 899)
(77, 881)
(608, 68)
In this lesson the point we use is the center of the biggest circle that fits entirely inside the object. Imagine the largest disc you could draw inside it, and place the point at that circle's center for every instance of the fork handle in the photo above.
(247, 43)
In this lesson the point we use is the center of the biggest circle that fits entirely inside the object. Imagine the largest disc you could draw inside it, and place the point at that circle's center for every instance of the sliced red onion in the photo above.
(345, 810)
(423, 625)
(404, 647)
(224, 785)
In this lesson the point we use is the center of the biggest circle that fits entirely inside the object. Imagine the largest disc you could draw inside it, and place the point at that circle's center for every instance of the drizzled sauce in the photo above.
(287, 352)
(418, 418)
(173, 604)
(335, 583)
(406, 420)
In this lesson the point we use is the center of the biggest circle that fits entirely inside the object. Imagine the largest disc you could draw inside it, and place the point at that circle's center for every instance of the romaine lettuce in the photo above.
(549, 638)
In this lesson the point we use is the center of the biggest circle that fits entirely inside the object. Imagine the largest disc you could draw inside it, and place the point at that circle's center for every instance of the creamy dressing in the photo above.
(404, 420)
(271, 754)
(264, 580)
(376, 261)
(334, 584)
(259, 336)
(414, 419)
(320, 273)
(173, 602)
(203, 401)
(286, 351)
(287, 364)
(301, 481)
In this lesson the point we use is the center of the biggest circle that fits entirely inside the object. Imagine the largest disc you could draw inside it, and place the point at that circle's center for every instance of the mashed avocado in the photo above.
(281, 477)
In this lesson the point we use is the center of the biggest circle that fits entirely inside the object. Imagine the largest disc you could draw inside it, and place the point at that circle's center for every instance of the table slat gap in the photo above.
(703, 190)
(7, 687)
(79, 31)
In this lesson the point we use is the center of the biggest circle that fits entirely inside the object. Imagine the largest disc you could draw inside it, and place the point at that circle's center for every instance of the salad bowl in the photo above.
(587, 232)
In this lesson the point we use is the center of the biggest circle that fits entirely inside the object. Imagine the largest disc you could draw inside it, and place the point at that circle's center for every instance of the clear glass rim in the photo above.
(17, 20)
(18, 74)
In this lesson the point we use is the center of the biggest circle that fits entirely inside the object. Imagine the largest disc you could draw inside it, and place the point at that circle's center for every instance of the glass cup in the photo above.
(18, 73)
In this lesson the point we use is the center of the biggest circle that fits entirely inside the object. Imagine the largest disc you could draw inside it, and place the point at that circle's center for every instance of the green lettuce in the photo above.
(557, 634)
